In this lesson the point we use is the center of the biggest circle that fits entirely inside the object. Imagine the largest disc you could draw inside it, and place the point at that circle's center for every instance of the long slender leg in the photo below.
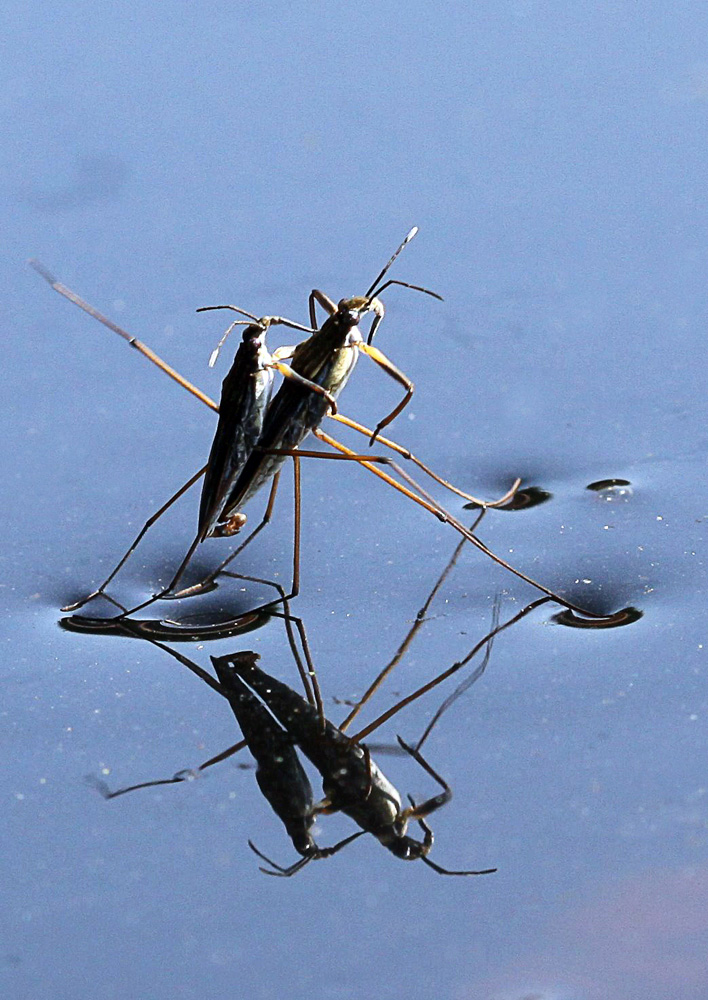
(208, 581)
(287, 372)
(173, 582)
(405, 453)
(148, 524)
(446, 517)
(383, 362)
(197, 588)
(428, 843)
(133, 341)
(316, 296)
(297, 518)
(205, 584)
(419, 812)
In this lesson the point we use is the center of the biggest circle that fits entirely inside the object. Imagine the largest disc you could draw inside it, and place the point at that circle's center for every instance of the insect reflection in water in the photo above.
(275, 720)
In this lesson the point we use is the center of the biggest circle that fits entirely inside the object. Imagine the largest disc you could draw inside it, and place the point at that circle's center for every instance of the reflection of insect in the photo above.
(353, 783)
(351, 780)
(279, 773)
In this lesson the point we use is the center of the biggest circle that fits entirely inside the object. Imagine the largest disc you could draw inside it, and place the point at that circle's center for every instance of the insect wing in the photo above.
(244, 396)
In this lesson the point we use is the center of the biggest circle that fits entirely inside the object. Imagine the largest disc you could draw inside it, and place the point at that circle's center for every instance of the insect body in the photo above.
(351, 781)
(245, 395)
(326, 359)
(246, 392)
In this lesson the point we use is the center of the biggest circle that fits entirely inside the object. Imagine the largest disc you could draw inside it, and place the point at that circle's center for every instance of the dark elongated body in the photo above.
(279, 773)
(327, 358)
(245, 394)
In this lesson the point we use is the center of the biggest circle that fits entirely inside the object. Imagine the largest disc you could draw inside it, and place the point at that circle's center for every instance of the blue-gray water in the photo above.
(163, 157)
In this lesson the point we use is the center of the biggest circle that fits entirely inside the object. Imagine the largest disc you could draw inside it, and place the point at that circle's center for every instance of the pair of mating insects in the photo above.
(256, 433)
(254, 436)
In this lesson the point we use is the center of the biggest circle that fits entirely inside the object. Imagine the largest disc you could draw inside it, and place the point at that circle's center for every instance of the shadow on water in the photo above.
(167, 631)
(524, 498)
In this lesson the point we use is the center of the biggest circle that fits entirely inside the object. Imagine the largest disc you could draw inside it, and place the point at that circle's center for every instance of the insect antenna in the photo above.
(237, 322)
(407, 240)
(376, 289)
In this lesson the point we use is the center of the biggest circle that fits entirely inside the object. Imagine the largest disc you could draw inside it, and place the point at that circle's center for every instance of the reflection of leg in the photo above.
(409, 699)
(417, 624)
(427, 845)
(426, 501)
(308, 674)
(430, 805)
(184, 775)
(468, 681)
(315, 855)
(419, 812)
(145, 528)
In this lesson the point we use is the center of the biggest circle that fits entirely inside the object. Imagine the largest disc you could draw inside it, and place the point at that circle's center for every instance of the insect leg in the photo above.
(446, 517)
(405, 453)
(316, 296)
(148, 524)
(206, 583)
(383, 362)
(133, 341)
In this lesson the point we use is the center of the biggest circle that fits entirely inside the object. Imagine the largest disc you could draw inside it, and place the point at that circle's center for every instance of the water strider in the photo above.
(327, 359)
(245, 394)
